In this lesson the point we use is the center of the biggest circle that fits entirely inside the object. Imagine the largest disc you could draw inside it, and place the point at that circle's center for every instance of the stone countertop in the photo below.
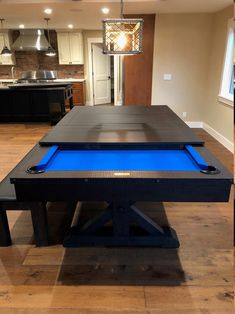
(7, 80)
(49, 85)
(70, 80)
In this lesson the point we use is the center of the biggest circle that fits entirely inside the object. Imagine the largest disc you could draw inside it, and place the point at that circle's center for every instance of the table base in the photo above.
(121, 224)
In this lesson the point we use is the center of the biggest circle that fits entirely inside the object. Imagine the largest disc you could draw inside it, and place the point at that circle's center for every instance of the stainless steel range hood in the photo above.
(31, 40)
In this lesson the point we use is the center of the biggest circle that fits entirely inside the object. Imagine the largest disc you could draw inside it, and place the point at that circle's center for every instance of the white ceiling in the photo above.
(86, 14)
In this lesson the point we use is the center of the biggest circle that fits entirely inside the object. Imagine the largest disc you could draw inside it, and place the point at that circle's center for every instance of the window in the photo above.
(227, 86)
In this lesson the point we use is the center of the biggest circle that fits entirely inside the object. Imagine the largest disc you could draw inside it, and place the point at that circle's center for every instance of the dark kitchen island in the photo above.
(35, 101)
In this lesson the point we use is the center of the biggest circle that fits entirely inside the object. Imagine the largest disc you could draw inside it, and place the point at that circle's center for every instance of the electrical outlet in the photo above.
(167, 77)
(184, 114)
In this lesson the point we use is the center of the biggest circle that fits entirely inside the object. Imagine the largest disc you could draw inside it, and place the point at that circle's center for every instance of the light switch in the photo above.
(167, 77)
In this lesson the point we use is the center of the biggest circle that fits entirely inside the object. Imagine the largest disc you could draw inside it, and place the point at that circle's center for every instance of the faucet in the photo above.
(13, 72)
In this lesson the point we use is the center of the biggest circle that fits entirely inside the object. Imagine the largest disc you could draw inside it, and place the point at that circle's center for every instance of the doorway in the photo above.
(102, 76)
(99, 89)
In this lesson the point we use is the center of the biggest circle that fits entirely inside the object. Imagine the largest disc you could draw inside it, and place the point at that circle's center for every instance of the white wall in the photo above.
(191, 47)
(216, 114)
(182, 46)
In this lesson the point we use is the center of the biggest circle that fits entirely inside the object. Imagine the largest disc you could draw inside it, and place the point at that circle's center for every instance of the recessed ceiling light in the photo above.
(70, 26)
(21, 26)
(48, 11)
(105, 10)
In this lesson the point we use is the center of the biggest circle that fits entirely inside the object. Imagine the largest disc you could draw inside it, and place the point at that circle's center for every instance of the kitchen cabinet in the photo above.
(4, 103)
(5, 60)
(70, 47)
(79, 94)
(34, 103)
(20, 104)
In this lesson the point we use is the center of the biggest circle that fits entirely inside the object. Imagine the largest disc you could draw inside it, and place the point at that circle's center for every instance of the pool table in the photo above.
(146, 154)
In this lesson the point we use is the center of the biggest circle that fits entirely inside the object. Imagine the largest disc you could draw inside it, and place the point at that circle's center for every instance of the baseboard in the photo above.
(195, 124)
(89, 103)
(219, 137)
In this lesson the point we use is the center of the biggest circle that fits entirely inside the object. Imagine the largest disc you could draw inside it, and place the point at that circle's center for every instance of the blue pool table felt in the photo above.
(187, 159)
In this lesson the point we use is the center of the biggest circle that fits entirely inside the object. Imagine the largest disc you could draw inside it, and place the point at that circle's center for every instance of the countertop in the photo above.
(37, 86)
(40, 85)
(70, 79)
(2, 80)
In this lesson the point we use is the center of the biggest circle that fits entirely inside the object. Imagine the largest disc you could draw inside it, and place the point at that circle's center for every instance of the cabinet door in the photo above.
(76, 48)
(78, 94)
(5, 60)
(39, 101)
(64, 48)
(5, 105)
(21, 105)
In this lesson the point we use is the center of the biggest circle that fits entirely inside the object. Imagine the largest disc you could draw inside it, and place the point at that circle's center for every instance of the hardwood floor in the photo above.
(197, 278)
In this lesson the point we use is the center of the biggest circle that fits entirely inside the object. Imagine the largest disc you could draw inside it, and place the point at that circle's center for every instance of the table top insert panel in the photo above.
(106, 124)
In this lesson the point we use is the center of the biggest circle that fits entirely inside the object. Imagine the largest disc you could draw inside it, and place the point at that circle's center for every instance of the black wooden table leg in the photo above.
(5, 237)
(40, 224)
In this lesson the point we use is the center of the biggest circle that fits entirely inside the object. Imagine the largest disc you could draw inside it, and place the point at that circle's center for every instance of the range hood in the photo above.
(31, 40)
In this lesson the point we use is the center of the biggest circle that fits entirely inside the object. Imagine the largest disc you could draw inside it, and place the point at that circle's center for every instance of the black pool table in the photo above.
(121, 155)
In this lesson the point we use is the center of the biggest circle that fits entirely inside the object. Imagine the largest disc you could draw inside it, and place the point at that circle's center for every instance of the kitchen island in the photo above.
(35, 102)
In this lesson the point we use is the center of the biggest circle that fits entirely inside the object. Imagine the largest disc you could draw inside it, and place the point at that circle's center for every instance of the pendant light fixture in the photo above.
(122, 36)
(5, 51)
(50, 52)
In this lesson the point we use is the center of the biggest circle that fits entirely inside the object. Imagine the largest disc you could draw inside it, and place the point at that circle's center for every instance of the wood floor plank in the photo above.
(184, 298)
(84, 297)
(109, 311)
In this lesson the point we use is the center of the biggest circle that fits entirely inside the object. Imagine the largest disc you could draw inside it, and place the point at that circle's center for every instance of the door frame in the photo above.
(90, 42)
(106, 75)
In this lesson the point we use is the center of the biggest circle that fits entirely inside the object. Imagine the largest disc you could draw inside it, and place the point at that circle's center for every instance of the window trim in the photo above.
(224, 94)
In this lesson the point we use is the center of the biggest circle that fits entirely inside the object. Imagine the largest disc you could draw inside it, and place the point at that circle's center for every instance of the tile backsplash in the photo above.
(35, 60)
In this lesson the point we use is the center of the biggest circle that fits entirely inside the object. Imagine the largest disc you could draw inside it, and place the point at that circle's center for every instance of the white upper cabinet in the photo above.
(70, 47)
(76, 47)
(6, 60)
(63, 48)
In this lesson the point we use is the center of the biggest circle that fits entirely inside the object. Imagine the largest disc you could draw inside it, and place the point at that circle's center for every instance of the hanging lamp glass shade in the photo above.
(50, 52)
(122, 36)
(6, 52)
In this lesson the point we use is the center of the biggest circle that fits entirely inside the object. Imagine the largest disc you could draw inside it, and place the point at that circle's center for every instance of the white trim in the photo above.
(195, 124)
(224, 94)
(219, 137)
(118, 103)
(117, 87)
(99, 40)
(91, 41)
(89, 103)
(228, 100)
